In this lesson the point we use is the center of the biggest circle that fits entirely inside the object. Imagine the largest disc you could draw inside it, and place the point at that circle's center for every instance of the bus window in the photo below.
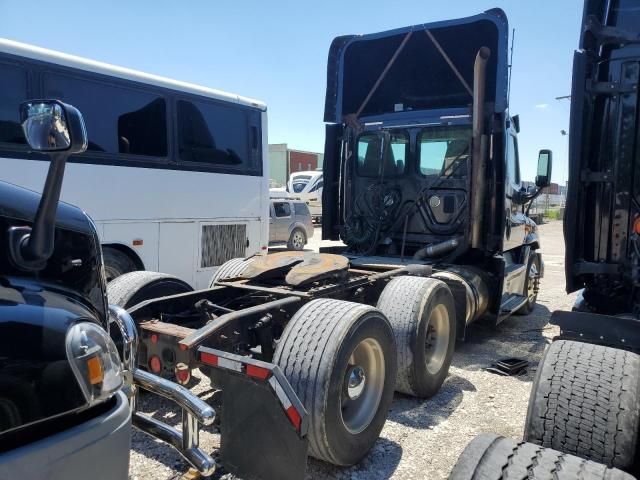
(212, 134)
(127, 121)
(13, 91)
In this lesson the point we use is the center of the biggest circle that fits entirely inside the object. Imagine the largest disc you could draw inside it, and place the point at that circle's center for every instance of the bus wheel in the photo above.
(422, 315)
(585, 400)
(492, 456)
(340, 358)
(297, 240)
(116, 263)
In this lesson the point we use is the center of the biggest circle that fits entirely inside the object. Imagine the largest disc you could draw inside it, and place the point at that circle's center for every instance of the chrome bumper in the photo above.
(194, 410)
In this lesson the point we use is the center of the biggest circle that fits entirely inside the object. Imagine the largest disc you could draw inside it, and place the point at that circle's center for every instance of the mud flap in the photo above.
(263, 423)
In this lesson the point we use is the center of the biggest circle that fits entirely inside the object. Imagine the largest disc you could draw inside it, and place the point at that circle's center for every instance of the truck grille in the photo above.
(220, 243)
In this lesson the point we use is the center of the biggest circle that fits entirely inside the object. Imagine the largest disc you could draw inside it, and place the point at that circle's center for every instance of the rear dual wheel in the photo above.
(422, 314)
(340, 359)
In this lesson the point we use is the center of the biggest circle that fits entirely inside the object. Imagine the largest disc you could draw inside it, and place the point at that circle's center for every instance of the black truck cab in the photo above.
(421, 159)
(67, 389)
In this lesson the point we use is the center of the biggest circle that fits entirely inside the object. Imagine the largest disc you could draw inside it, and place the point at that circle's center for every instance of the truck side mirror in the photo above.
(52, 126)
(543, 178)
(56, 128)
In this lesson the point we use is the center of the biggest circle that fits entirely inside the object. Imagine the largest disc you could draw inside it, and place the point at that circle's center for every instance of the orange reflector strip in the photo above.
(294, 417)
(94, 367)
(636, 225)
(138, 242)
(209, 359)
(257, 372)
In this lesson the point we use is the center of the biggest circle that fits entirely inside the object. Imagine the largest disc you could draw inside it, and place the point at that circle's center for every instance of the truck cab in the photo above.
(421, 159)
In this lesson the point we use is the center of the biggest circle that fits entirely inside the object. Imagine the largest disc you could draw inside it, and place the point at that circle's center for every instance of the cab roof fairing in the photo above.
(427, 85)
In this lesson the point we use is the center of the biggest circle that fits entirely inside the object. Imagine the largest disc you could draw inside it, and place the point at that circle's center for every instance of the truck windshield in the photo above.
(369, 155)
(444, 150)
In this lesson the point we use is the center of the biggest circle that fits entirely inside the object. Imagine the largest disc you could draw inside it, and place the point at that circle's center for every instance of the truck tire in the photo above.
(585, 400)
(531, 285)
(297, 240)
(491, 457)
(230, 269)
(340, 359)
(135, 287)
(422, 314)
(116, 263)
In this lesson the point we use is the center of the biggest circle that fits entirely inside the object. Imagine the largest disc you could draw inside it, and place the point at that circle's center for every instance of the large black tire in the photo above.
(585, 400)
(491, 457)
(297, 240)
(417, 308)
(322, 347)
(117, 263)
(230, 269)
(135, 287)
(531, 285)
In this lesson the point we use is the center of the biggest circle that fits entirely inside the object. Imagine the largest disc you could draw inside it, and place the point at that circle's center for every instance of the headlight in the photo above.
(94, 360)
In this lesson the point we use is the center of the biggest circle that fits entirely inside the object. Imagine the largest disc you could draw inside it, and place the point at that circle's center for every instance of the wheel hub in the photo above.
(356, 380)
(437, 339)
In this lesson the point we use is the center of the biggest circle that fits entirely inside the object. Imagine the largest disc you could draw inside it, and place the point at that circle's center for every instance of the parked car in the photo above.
(289, 223)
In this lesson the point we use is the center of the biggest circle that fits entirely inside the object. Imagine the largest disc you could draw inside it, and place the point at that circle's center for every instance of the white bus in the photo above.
(175, 175)
(307, 186)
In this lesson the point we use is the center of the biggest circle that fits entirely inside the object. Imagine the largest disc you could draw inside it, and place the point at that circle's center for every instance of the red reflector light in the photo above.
(294, 417)
(209, 359)
(264, 247)
(155, 364)
(183, 347)
(137, 242)
(154, 338)
(257, 372)
(183, 375)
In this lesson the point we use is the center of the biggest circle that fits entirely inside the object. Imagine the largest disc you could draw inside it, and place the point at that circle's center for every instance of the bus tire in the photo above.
(135, 287)
(297, 240)
(531, 285)
(422, 314)
(585, 400)
(490, 456)
(230, 269)
(117, 263)
(340, 359)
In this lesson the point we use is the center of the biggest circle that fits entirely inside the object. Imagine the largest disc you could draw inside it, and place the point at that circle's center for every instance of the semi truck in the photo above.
(584, 410)
(422, 185)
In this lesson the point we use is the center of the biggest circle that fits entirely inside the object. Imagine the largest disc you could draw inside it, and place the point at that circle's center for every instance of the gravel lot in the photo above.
(422, 439)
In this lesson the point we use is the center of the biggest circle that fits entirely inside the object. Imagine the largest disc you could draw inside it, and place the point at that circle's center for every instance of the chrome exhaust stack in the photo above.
(194, 411)
(479, 147)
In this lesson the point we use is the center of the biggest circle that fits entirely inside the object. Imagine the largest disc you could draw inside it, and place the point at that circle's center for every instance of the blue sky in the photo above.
(276, 51)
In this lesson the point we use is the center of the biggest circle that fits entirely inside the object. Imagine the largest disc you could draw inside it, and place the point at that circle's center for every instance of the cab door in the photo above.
(515, 220)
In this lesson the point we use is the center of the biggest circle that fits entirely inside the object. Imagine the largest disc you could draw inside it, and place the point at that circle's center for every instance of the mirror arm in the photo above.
(31, 247)
(531, 198)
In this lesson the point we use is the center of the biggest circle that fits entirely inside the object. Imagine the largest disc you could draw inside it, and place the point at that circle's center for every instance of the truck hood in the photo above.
(357, 62)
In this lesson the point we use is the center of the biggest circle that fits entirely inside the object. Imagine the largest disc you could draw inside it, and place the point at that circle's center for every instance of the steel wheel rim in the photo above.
(298, 240)
(532, 278)
(358, 411)
(110, 273)
(437, 339)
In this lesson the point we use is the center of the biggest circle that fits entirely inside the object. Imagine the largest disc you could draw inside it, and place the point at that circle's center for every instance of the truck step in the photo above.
(511, 303)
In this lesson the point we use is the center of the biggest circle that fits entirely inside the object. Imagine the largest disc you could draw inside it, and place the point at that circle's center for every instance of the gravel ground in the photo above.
(421, 439)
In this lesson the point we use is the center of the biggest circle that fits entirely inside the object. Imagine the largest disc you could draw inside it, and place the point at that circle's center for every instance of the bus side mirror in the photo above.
(543, 178)
(53, 127)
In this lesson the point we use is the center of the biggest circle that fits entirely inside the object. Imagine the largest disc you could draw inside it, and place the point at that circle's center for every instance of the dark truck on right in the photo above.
(583, 419)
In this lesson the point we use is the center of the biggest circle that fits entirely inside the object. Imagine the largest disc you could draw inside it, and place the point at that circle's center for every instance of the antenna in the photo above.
(513, 41)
